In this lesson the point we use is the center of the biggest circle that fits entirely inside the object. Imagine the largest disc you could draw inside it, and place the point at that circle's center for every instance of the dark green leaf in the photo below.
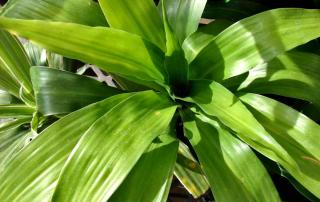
(60, 92)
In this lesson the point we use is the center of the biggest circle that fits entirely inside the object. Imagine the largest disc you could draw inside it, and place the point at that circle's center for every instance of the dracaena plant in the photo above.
(122, 144)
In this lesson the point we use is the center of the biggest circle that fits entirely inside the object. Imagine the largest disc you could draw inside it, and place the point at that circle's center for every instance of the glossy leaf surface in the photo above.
(92, 174)
(151, 172)
(37, 180)
(139, 17)
(130, 56)
(60, 92)
(228, 163)
(184, 16)
(85, 12)
(189, 172)
(293, 74)
(15, 110)
(243, 45)
(295, 132)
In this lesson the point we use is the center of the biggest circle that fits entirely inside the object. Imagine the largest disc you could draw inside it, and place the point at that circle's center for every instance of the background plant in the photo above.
(214, 81)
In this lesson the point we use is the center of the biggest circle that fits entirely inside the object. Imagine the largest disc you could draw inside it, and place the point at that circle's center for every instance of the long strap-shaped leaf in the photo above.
(298, 134)
(85, 12)
(122, 135)
(233, 170)
(5, 97)
(113, 50)
(137, 16)
(150, 173)
(184, 16)
(15, 110)
(293, 74)
(32, 176)
(14, 60)
(243, 45)
(60, 92)
(200, 39)
(215, 100)
(11, 124)
(189, 172)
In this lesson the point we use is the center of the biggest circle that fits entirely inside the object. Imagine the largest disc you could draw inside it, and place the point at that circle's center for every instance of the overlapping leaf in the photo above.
(122, 135)
(139, 17)
(295, 132)
(37, 180)
(113, 50)
(243, 45)
(233, 170)
(293, 74)
(60, 92)
(85, 12)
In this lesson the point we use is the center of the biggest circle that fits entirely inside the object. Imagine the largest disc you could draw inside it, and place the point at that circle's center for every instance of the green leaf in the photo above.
(233, 10)
(164, 192)
(151, 172)
(8, 83)
(291, 74)
(15, 111)
(85, 12)
(138, 17)
(202, 37)
(5, 97)
(12, 141)
(131, 127)
(14, 60)
(184, 16)
(36, 54)
(243, 45)
(11, 124)
(36, 181)
(233, 170)
(60, 92)
(295, 132)
(189, 172)
(175, 62)
(114, 51)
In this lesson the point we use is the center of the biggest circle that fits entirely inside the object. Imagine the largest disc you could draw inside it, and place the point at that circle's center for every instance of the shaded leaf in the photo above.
(139, 17)
(233, 170)
(60, 92)
(243, 46)
(15, 110)
(85, 12)
(151, 172)
(130, 56)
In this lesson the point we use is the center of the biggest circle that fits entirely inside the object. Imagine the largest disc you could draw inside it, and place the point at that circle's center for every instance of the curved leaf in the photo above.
(60, 92)
(11, 124)
(184, 16)
(233, 170)
(151, 172)
(200, 39)
(189, 172)
(139, 17)
(94, 175)
(295, 132)
(85, 12)
(113, 50)
(14, 60)
(291, 74)
(15, 110)
(31, 175)
(5, 97)
(243, 45)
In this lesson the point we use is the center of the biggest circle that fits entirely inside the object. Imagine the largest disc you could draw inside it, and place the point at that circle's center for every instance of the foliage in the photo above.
(68, 137)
